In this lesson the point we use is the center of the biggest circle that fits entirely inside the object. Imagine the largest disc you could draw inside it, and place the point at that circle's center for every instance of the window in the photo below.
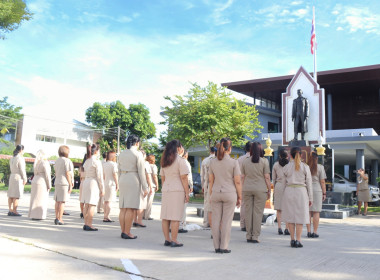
(272, 127)
(51, 139)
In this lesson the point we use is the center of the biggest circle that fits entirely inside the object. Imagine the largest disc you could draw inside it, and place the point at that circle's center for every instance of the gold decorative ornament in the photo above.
(268, 150)
(320, 149)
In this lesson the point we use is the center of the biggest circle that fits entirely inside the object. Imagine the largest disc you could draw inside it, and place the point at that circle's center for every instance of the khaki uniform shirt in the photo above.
(224, 171)
(205, 168)
(320, 175)
(301, 177)
(62, 166)
(362, 184)
(254, 179)
(278, 174)
(17, 166)
(173, 174)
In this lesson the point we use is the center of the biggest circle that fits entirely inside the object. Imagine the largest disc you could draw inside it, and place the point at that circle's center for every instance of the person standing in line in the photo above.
(297, 197)
(256, 191)
(111, 184)
(182, 224)
(17, 180)
(205, 166)
(63, 182)
(82, 176)
(318, 176)
(41, 185)
(132, 182)
(240, 160)
(144, 198)
(225, 194)
(279, 187)
(72, 183)
(362, 191)
(93, 185)
(151, 159)
(100, 207)
(175, 190)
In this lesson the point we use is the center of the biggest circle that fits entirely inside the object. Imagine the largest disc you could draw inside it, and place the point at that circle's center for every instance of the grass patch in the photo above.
(28, 188)
(117, 268)
(375, 209)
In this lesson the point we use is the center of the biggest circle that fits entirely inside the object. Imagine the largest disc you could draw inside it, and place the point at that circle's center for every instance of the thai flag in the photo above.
(313, 38)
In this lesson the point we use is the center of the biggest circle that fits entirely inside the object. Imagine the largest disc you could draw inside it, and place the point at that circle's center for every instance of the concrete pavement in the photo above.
(346, 249)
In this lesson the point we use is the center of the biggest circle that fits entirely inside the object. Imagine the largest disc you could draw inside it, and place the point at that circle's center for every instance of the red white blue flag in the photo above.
(313, 38)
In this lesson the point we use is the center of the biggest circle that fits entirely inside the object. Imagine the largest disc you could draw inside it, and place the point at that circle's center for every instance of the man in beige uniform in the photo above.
(101, 198)
(204, 182)
(362, 191)
(240, 161)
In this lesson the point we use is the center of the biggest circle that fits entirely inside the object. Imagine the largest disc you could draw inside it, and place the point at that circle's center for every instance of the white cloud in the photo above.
(301, 13)
(218, 16)
(339, 28)
(295, 3)
(285, 13)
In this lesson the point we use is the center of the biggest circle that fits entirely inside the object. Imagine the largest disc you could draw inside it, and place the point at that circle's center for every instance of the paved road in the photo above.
(347, 249)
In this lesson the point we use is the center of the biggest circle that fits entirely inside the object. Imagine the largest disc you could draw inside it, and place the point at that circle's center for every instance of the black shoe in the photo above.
(10, 213)
(211, 237)
(60, 223)
(81, 215)
(298, 244)
(173, 244)
(364, 214)
(150, 219)
(293, 244)
(84, 227)
(314, 235)
(16, 214)
(255, 241)
(249, 240)
(286, 232)
(243, 229)
(91, 229)
(126, 236)
(66, 214)
(217, 251)
(225, 251)
(139, 225)
(56, 221)
(309, 235)
(167, 243)
(280, 232)
(182, 230)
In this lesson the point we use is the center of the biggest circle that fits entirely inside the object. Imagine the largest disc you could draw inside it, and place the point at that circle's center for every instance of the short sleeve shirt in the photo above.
(362, 184)
(173, 174)
(254, 179)
(224, 172)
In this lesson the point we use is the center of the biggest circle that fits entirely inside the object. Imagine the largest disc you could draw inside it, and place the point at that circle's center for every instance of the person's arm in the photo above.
(274, 176)
(99, 176)
(149, 181)
(185, 185)
(116, 179)
(309, 186)
(68, 177)
(238, 189)
(155, 181)
(47, 175)
(141, 173)
(211, 179)
(22, 168)
(268, 183)
(202, 174)
(323, 185)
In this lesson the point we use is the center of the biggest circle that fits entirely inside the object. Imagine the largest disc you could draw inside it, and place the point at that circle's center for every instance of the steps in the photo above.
(336, 211)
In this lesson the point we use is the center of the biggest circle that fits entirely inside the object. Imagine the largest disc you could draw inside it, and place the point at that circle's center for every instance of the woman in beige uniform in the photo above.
(362, 191)
(151, 159)
(41, 185)
(225, 194)
(82, 176)
(132, 183)
(318, 176)
(63, 182)
(175, 190)
(298, 196)
(278, 178)
(17, 180)
(111, 184)
(93, 185)
(256, 191)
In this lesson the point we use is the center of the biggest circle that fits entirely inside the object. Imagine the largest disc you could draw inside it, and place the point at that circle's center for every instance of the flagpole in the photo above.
(315, 48)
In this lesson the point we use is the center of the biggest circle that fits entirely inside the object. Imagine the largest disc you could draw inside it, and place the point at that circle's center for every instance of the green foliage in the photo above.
(5, 170)
(109, 116)
(205, 115)
(12, 13)
(9, 116)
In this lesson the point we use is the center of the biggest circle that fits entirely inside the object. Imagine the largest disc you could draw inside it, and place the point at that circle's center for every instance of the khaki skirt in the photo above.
(61, 193)
(295, 205)
(364, 195)
(317, 201)
(277, 196)
(110, 192)
(90, 191)
(38, 198)
(172, 206)
(130, 191)
(16, 186)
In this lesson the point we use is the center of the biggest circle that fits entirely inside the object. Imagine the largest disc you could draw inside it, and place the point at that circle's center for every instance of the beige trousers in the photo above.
(206, 208)
(254, 209)
(223, 208)
(182, 224)
(242, 215)
(148, 210)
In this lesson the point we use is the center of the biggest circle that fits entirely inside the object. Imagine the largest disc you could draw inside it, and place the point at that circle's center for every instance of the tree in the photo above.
(12, 13)
(110, 116)
(205, 115)
(9, 116)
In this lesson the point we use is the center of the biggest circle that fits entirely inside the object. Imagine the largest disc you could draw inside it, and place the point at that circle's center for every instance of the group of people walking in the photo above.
(299, 189)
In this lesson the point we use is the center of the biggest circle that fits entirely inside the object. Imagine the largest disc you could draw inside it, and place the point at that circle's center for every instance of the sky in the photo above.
(75, 52)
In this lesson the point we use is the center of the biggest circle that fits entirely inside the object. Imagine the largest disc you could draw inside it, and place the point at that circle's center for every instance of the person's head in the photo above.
(313, 163)
(64, 151)
(151, 159)
(104, 155)
(40, 156)
(19, 150)
(185, 154)
(247, 147)
(299, 92)
(93, 150)
(111, 156)
(255, 152)
(213, 150)
(172, 149)
(132, 140)
(283, 157)
(224, 147)
(261, 149)
(361, 169)
(295, 152)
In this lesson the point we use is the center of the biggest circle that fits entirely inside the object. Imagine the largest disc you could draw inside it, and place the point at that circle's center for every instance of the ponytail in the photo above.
(313, 163)
(91, 150)
(132, 140)
(18, 149)
(283, 157)
(224, 146)
(296, 155)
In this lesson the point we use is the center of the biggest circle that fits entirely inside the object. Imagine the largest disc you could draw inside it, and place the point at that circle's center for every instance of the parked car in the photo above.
(344, 185)
(197, 186)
